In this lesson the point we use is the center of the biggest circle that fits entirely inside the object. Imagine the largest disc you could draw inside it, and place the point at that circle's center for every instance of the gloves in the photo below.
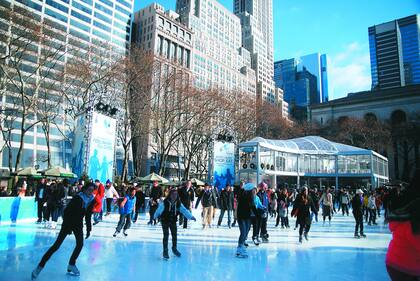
(87, 234)
(193, 219)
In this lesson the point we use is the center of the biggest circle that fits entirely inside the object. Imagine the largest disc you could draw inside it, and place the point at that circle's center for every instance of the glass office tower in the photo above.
(395, 53)
(82, 24)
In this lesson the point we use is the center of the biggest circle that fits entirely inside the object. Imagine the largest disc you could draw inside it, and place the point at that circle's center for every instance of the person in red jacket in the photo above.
(403, 256)
(99, 194)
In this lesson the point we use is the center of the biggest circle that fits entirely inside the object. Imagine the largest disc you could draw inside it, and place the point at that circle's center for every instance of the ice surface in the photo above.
(331, 253)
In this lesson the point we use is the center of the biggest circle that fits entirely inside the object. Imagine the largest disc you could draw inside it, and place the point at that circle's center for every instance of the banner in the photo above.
(101, 148)
(223, 164)
(79, 147)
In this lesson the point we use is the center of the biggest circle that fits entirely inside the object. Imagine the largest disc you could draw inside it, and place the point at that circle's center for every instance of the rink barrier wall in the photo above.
(24, 208)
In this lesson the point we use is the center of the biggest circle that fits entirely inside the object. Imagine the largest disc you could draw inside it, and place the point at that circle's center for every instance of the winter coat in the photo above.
(226, 200)
(357, 204)
(155, 195)
(40, 190)
(245, 205)
(404, 249)
(168, 211)
(99, 193)
(263, 196)
(76, 210)
(186, 196)
(207, 199)
(303, 209)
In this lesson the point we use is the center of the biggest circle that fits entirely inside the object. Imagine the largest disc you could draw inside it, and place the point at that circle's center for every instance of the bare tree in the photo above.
(133, 81)
(26, 64)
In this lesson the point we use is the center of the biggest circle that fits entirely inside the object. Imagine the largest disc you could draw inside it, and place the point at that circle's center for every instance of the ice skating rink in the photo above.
(331, 253)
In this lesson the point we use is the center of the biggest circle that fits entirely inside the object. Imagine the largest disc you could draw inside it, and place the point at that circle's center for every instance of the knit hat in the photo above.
(108, 181)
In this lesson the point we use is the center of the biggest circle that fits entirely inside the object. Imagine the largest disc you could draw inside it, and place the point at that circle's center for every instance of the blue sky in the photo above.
(337, 28)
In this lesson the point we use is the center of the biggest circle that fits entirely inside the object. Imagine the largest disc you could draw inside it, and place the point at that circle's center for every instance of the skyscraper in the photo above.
(218, 60)
(304, 81)
(83, 25)
(257, 37)
(395, 53)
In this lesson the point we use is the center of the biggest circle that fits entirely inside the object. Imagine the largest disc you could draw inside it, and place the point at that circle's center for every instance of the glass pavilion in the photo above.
(311, 160)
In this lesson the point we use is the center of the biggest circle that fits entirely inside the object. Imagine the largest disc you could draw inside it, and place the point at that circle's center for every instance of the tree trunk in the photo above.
(124, 171)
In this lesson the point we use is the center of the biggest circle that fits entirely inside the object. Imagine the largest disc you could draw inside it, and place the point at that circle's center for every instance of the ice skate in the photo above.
(125, 233)
(73, 270)
(36, 272)
(255, 240)
(176, 252)
(362, 235)
(165, 255)
(300, 239)
(115, 234)
(357, 236)
(306, 236)
(241, 252)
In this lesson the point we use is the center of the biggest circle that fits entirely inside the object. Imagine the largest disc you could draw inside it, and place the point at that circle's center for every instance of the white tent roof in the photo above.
(308, 144)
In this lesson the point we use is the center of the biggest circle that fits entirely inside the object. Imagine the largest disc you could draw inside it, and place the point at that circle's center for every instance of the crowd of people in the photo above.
(246, 205)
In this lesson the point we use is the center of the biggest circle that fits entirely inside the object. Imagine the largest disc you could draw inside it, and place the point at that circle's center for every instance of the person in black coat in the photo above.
(302, 210)
(78, 208)
(357, 204)
(226, 204)
(40, 196)
(168, 211)
(155, 195)
(140, 203)
(186, 195)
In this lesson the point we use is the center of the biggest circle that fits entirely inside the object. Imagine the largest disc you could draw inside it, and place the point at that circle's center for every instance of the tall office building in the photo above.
(257, 37)
(218, 59)
(80, 24)
(395, 53)
(160, 32)
(304, 81)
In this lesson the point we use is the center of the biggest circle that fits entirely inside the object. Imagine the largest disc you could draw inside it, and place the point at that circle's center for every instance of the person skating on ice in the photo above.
(168, 211)
(127, 207)
(357, 204)
(79, 207)
(302, 210)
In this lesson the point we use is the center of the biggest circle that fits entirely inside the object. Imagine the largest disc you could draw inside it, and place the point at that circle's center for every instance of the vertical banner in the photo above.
(101, 148)
(79, 147)
(223, 164)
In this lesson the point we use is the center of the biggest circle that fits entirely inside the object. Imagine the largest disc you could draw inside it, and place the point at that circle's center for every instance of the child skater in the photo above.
(79, 207)
(168, 211)
(127, 207)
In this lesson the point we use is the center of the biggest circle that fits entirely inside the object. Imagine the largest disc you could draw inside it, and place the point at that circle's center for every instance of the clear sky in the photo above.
(337, 28)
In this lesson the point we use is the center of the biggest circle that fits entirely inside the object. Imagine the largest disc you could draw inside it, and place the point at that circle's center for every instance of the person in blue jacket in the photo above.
(79, 207)
(127, 207)
(168, 211)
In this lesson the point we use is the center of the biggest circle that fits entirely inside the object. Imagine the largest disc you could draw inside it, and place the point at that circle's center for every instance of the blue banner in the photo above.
(101, 148)
(223, 164)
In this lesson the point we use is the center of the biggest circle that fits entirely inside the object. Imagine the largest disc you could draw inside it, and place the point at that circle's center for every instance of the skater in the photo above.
(168, 211)
(246, 206)
(256, 217)
(357, 204)
(127, 207)
(263, 196)
(315, 199)
(372, 209)
(99, 196)
(186, 194)
(110, 193)
(302, 210)
(79, 207)
(155, 196)
(40, 199)
(403, 256)
(327, 205)
(226, 204)
(345, 200)
(140, 203)
(207, 198)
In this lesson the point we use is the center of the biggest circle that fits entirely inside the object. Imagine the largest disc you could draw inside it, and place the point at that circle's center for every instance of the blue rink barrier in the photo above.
(17, 208)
